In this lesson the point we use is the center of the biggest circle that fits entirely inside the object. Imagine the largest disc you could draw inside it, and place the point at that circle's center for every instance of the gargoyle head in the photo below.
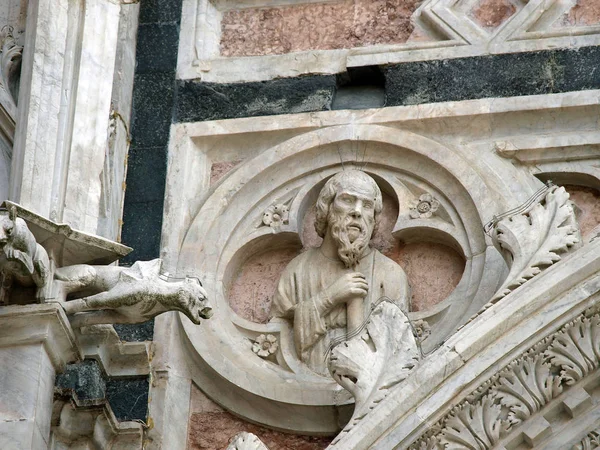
(194, 301)
(7, 225)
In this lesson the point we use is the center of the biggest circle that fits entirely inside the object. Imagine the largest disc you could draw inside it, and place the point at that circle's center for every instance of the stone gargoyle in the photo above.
(22, 259)
(94, 295)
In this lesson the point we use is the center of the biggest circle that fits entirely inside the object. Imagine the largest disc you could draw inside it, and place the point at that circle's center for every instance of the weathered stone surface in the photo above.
(219, 169)
(320, 26)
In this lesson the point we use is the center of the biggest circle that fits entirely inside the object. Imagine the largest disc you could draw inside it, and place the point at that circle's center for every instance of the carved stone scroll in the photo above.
(522, 389)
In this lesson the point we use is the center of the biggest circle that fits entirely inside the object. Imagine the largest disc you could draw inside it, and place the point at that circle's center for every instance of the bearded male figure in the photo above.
(322, 286)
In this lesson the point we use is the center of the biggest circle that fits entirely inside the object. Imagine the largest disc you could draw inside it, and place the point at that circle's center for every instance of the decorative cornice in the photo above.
(522, 388)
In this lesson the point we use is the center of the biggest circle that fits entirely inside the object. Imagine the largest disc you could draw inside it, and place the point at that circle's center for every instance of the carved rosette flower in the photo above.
(276, 215)
(422, 329)
(265, 345)
(424, 207)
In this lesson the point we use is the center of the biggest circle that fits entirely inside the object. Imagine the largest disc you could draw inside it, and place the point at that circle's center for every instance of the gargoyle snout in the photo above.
(206, 313)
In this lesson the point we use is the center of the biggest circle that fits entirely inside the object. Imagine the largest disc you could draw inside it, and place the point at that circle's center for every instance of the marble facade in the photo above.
(201, 132)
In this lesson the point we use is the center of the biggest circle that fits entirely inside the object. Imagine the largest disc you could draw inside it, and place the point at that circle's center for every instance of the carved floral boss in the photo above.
(424, 207)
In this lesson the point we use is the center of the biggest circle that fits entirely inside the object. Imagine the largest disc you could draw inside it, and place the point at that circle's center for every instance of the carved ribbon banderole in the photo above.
(488, 227)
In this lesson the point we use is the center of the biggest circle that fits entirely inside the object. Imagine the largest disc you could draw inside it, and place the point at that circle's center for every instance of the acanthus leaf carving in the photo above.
(525, 386)
(589, 442)
(576, 348)
(371, 363)
(534, 239)
(478, 426)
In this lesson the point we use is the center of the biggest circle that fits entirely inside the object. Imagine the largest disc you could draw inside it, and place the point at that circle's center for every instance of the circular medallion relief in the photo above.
(253, 225)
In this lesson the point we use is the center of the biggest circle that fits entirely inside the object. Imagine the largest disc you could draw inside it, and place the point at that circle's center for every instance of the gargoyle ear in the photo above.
(12, 213)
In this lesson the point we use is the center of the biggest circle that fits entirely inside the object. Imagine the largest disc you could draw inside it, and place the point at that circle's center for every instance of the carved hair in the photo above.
(339, 181)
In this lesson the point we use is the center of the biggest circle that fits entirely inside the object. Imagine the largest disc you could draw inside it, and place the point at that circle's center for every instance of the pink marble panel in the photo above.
(588, 202)
(212, 428)
(585, 12)
(316, 26)
(219, 169)
(252, 291)
(493, 13)
(433, 271)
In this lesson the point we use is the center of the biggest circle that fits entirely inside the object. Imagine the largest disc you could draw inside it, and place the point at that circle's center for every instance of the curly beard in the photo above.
(349, 252)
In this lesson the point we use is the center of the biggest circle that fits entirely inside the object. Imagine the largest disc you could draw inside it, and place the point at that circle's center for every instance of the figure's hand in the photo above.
(349, 286)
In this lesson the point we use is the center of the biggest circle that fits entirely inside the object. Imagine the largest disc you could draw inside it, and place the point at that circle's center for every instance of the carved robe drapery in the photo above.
(301, 288)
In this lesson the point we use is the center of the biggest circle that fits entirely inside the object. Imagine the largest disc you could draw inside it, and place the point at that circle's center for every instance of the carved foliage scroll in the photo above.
(370, 364)
(535, 238)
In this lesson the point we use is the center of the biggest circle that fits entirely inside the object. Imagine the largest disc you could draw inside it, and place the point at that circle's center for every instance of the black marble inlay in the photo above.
(160, 11)
(142, 222)
(85, 379)
(152, 109)
(152, 112)
(157, 47)
(516, 74)
(128, 398)
(135, 332)
(197, 101)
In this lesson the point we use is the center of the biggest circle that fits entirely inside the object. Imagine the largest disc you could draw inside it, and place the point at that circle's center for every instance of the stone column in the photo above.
(63, 166)
(36, 341)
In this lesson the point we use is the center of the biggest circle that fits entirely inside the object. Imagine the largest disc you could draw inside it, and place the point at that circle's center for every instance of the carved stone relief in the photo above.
(327, 292)
(10, 69)
(221, 233)
(110, 294)
(23, 260)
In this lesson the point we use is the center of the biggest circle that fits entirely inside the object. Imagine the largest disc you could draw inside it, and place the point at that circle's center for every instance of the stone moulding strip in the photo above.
(46, 324)
(117, 358)
(439, 393)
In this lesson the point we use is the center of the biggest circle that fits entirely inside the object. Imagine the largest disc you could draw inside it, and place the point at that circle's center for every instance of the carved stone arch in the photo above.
(228, 226)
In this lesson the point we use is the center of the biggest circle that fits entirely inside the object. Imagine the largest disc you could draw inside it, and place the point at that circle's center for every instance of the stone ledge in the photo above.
(46, 324)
